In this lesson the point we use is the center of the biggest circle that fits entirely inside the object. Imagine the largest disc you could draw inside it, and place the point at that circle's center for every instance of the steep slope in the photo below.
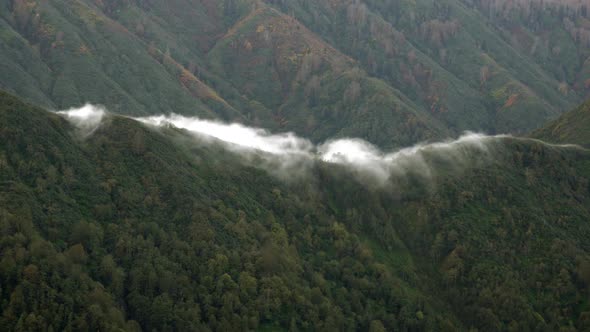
(62, 54)
(314, 89)
(571, 128)
(510, 254)
(165, 64)
(156, 234)
(136, 228)
(393, 73)
(554, 34)
(447, 57)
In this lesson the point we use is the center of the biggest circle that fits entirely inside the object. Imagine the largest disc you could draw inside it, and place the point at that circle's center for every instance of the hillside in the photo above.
(160, 232)
(571, 128)
(138, 228)
(449, 57)
(393, 73)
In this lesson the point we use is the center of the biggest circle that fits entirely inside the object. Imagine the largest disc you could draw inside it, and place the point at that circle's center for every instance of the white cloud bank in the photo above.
(291, 151)
(367, 158)
(236, 134)
(287, 152)
(87, 118)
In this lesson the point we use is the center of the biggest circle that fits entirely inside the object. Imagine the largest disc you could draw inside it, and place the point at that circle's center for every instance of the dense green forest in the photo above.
(134, 228)
(392, 72)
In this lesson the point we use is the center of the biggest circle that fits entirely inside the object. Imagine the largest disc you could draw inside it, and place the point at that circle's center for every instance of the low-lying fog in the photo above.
(287, 151)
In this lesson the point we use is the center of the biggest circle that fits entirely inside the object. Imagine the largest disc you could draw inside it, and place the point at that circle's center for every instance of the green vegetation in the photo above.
(133, 228)
(172, 236)
(571, 128)
(393, 72)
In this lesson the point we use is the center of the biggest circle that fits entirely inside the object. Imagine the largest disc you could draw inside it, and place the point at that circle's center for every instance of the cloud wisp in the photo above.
(367, 159)
(86, 118)
(287, 154)
(240, 136)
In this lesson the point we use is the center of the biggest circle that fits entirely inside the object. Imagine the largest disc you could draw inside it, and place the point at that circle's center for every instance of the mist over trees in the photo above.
(122, 226)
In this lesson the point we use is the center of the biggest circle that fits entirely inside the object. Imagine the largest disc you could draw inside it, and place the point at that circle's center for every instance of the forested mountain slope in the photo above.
(393, 72)
(571, 128)
(451, 57)
(134, 228)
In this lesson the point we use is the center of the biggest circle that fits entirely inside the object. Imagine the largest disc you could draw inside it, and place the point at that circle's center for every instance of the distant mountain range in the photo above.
(393, 72)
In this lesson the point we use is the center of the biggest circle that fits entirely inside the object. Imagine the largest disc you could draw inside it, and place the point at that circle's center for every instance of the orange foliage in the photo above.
(83, 50)
(511, 101)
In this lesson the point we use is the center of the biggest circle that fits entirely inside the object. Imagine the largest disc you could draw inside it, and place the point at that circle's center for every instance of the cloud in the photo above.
(288, 156)
(357, 154)
(287, 153)
(240, 136)
(86, 118)
(366, 158)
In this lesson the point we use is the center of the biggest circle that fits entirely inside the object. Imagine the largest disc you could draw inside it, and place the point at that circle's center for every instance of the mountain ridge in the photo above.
(572, 127)
(432, 74)
(286, 165)
(140, 218)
